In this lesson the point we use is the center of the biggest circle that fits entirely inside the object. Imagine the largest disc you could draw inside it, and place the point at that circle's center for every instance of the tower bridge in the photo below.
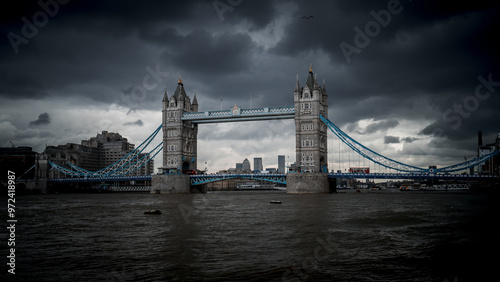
(179, 127)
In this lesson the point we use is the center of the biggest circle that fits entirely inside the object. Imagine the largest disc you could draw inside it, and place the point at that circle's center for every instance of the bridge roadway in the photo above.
(281, 178)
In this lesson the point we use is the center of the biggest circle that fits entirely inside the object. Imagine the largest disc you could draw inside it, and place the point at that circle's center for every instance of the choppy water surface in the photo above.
(398, 236)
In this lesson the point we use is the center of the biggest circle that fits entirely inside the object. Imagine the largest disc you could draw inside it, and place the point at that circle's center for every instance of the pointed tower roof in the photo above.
(165, 96)
(195, 101)
(316, 85)
(310, 78)
(297, 85)
(179, 93)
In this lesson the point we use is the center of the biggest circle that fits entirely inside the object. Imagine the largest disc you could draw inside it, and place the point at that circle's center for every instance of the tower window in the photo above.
(307, 143)
(307, 127)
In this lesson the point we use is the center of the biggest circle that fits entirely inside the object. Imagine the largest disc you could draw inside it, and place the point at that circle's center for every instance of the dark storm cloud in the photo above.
(476, 111)
(412, 18)
(430, 48)
(43, 119)
(391, 139)
(134, 123)
(388, 139)
(202, 52)
(381, 126)
(101, 41)
(409, 139)
(422, 63)
(258, 12)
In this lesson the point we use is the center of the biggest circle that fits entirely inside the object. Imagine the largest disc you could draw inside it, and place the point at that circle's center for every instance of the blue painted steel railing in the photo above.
(206, 178)
(102, 178)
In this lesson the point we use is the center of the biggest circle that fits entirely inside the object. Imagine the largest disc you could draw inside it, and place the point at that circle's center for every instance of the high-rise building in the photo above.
(257, 164)
(246, 165)
(239, 166)
(97, 153)
(281, 164)
(113, 147)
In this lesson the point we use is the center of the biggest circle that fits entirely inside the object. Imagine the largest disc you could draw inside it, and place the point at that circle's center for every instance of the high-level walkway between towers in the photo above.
(237, 114)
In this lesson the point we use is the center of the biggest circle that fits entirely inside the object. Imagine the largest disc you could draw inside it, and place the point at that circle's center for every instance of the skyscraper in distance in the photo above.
(257, 164)
(246, 165)
(281, 164)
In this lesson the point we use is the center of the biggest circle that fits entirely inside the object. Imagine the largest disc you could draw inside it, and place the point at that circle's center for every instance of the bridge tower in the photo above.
(179, 137)
(310, 132)
(179, 143)
(310, 139)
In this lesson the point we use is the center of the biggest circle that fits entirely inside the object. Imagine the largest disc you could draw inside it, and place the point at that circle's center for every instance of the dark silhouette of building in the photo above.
(18, 160)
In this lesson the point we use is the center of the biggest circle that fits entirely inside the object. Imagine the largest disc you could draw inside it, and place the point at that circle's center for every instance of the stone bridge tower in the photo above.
(310, 139)
(179, 137)
(310, 132)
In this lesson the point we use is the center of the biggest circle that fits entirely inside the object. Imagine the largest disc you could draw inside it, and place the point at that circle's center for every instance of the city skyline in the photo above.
(259, 164)
(412, 80)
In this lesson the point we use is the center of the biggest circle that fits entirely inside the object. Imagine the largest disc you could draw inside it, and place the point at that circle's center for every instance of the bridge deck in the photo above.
(281, 178)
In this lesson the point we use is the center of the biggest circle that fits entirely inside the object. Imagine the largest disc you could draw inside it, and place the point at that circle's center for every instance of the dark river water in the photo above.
(235, 236)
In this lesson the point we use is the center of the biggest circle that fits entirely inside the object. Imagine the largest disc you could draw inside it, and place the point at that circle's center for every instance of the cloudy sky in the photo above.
(413, 80)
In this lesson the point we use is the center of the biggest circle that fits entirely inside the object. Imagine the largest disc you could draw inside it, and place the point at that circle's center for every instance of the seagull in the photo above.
(307, 17)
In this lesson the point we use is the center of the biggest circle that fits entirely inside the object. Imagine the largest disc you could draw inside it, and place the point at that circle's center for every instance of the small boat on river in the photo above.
(152, 212)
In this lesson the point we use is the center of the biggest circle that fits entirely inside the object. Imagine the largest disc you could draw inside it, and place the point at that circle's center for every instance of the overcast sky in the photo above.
(413, 80)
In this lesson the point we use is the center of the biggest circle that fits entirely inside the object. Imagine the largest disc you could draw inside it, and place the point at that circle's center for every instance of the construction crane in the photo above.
(13, 145)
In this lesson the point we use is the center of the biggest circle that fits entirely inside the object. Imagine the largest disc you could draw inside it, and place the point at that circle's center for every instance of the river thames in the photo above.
(234, 236)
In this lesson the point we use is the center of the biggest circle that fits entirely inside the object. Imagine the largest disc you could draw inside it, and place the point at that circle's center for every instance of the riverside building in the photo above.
(96, 153)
